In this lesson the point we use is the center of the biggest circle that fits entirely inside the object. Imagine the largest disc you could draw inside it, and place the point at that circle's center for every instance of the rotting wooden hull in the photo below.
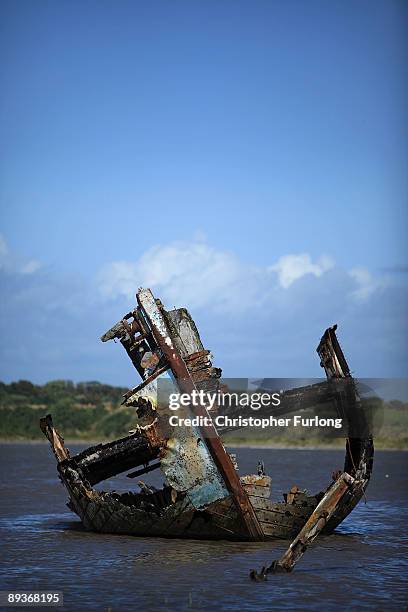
(161, 515)
(119, 513)
(105, 513)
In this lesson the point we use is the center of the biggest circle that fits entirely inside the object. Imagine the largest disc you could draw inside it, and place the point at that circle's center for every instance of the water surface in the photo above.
(362, 566)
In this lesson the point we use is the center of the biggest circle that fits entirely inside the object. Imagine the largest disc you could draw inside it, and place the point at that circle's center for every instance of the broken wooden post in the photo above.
(55, 439)
(313, 526)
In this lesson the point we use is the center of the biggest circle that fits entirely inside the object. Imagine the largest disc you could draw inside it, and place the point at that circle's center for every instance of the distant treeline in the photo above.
(88, 410)
(93, 411)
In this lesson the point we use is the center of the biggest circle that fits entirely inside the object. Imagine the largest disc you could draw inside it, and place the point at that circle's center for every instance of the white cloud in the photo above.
(13, 263)
(185, 272)
(366, 284)
(291, 268)
(258, 320)
(200, 276)
(31, 266)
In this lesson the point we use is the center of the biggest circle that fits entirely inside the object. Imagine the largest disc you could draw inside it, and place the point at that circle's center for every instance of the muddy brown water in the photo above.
(362, 566)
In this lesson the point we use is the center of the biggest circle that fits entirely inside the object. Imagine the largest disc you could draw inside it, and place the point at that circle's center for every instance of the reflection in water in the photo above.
(45, 547)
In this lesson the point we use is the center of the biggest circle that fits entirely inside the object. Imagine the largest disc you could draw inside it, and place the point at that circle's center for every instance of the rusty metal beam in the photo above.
(186, 384)
(147, 381)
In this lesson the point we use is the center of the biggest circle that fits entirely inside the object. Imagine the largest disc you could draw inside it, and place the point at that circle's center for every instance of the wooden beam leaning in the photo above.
(313, 526)
(186, 384)
(56, 440)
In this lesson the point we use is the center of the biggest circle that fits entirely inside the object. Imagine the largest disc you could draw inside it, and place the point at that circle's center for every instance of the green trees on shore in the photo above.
(87, 410)
(93, 411)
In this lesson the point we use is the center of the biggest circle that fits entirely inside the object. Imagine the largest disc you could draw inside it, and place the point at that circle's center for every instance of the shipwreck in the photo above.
(203, 495)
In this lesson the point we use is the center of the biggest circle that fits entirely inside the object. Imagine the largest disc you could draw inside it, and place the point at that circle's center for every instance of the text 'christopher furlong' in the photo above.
(238, 422)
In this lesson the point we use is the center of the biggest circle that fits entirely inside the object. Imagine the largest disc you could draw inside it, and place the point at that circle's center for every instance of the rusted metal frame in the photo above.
(138, 316)
(137, 326)
(313, 526)
(126, 332)
(123, 332)
(146, 382)
(134, 356)
(145, 328)
(197, 355)
(186, 384)
(137, 342)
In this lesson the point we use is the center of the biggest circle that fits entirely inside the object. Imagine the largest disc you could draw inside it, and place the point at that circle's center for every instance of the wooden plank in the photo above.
(254, 491)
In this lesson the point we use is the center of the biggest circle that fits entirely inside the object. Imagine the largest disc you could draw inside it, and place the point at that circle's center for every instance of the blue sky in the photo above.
(245, 159)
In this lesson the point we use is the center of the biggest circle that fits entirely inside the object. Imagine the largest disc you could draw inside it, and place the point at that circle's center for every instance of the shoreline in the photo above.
(273, 446)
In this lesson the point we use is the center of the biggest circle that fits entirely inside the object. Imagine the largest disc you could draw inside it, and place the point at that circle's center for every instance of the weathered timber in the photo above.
(103, 461)
(56, 440)
(311, 529)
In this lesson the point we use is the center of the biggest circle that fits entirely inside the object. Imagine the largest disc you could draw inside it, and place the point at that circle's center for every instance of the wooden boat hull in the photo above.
(204, 496)
(162, 514)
